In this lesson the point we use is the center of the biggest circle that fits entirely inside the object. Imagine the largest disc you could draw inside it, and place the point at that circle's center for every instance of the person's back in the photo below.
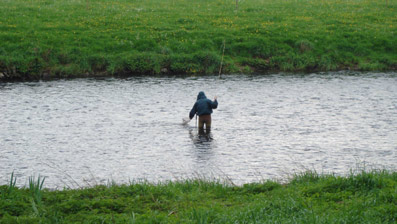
(203, 108)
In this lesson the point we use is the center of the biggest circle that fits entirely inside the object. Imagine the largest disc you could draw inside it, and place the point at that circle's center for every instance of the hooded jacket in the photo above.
(203, 106)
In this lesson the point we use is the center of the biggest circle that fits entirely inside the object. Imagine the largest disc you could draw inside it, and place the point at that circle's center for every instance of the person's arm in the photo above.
(214, 104)
(192, 111)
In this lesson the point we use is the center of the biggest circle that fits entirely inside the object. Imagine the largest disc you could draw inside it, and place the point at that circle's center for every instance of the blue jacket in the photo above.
(203, 105)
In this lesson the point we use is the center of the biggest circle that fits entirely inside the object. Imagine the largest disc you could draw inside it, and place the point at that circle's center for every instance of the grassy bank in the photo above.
(365, 197)
(64, 38)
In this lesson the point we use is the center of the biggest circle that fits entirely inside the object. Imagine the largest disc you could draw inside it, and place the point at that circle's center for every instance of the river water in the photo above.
(84, 132)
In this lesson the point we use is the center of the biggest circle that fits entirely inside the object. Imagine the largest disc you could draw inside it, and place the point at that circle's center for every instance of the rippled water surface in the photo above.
(88, 131)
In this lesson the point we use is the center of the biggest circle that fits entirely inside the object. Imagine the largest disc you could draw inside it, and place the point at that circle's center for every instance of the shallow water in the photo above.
(89, 131)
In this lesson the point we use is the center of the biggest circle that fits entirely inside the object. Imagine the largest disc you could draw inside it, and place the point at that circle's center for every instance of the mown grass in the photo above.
(64, 38)
(364, 197)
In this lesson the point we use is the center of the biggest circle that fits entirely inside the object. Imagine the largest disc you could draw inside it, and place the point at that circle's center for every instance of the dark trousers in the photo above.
(204, 119)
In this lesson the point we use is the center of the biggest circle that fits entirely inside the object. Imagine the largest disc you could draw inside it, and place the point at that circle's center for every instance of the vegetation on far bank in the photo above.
(58, 38)
(364, 197)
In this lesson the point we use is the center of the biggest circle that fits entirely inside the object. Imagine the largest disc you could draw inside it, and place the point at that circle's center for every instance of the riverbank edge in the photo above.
(162, 65)
(309, 197)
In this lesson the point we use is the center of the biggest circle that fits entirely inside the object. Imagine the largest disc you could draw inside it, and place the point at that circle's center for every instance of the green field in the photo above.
(363, 197)
(66, 38)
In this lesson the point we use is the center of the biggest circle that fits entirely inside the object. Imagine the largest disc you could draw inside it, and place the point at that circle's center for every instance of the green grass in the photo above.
(363, 197)
(65, 38)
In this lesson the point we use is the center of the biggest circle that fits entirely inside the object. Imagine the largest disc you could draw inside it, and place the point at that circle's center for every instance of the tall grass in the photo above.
(58, 38)
(8, 190)
(35, 188)
(363, 197)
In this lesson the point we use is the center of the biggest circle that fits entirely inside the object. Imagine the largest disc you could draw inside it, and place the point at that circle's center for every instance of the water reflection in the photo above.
(203, 152)
(201, 138)
(203, 143)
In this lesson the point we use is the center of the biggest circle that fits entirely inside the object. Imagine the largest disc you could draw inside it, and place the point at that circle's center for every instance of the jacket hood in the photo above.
(201, 95)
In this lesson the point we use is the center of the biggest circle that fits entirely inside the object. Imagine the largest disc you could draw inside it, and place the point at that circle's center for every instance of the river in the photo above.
(84, 132)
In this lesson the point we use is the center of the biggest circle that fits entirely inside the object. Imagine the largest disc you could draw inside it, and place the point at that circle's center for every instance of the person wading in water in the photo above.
(203, 108)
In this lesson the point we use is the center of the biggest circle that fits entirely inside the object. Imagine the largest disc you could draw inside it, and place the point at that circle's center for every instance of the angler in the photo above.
(203, 108)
